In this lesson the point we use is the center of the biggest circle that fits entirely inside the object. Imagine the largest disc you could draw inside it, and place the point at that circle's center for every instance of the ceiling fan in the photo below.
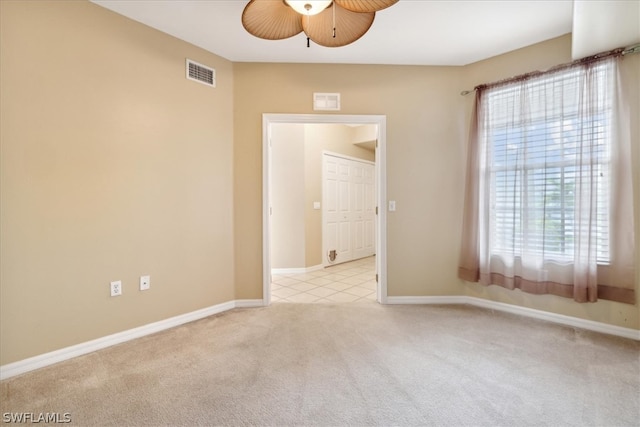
(325, 22)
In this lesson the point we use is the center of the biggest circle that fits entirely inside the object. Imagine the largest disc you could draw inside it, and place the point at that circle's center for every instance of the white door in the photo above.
(337, 210)
(349, 209)
(364, 215)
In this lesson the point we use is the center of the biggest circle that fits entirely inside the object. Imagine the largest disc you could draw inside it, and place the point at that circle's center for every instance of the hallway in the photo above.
(348, 282)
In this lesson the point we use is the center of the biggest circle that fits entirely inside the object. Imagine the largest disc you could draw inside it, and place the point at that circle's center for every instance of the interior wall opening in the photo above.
(323, 184)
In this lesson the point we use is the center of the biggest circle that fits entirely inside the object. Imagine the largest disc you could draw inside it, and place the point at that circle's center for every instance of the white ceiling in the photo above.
(412, 32)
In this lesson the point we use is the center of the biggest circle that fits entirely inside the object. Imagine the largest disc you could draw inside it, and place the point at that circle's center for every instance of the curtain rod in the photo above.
(619, 51)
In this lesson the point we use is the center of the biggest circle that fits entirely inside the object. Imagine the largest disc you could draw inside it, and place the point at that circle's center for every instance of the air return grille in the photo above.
(326, 101)
(201, 73)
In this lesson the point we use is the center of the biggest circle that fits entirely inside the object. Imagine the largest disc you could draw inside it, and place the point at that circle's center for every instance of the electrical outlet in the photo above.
(145, 282)
(116, 288)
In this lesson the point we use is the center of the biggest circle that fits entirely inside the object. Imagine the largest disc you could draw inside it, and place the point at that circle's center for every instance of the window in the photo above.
(549, 203)
(535, 152)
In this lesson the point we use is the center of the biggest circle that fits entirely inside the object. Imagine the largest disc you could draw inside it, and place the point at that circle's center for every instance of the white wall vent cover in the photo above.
(201, 73)
(326, 101)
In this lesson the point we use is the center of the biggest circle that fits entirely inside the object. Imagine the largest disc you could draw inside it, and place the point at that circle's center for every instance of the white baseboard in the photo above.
(249, 303)
(40, 361)
(428, 300)
(590, 325)
(12, 369)
(302, 270)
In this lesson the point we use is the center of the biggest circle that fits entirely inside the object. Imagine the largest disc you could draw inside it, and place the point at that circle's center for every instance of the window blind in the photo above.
(544, 139)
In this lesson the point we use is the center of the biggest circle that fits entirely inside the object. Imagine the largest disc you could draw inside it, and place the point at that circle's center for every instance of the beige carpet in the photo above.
(351, 364)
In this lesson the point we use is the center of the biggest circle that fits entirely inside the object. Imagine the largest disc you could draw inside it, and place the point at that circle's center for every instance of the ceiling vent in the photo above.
(326, 101)
(201, 73)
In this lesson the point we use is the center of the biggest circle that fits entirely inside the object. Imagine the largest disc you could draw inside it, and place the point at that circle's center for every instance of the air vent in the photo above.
(201, 73)
(326, 101)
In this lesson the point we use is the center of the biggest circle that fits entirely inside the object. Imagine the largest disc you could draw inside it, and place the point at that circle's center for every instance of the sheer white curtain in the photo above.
(548, 204)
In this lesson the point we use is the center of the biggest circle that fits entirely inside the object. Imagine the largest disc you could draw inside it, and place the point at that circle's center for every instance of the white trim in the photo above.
(12, 369)
(20, 367)
(427, 300)
(561, 319)
(266, 210)
(381, 203)
(302, 270)
(248, 303)
(381, 187)
(590, 325)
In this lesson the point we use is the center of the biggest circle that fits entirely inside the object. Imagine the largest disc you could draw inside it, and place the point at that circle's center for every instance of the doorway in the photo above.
(269, 120)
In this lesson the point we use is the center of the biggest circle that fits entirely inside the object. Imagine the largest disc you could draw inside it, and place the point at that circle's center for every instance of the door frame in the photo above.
(381, 189)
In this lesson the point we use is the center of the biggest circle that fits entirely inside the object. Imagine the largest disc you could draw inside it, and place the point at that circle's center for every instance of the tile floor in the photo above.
(348, 282)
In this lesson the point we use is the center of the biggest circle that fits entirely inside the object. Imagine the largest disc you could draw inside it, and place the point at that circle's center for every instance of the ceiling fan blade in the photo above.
(271, 19)
(350, 26)
(365, 5)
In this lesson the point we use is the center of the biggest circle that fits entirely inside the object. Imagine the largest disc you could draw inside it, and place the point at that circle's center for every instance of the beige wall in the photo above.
(287, 196)
(367, 133)
(540, 57)
(319, 138)
(113, 165)
(425, 124)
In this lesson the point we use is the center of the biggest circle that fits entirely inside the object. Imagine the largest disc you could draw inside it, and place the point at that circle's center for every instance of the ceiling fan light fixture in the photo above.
(308, 7)
(335, 22)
